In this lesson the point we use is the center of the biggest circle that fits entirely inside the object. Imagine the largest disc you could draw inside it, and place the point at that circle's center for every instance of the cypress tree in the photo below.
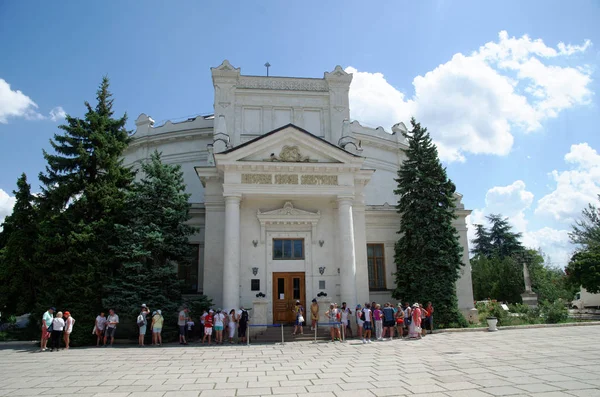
(82, 198)
(152, 240)
(18, 271)
(428, 254)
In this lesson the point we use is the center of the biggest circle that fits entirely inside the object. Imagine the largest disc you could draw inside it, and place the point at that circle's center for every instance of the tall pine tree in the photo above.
(482, 243)
(504, 241)
(153, 239)
(428, 253)
(82, 198)
(19, 273)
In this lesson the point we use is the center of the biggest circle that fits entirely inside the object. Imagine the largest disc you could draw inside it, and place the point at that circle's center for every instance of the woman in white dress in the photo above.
(232, 325)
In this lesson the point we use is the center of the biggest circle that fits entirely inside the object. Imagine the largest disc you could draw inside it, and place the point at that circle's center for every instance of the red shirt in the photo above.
(208, 321)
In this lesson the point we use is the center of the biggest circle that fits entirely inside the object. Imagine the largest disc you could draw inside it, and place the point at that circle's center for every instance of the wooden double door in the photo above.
(287, 289)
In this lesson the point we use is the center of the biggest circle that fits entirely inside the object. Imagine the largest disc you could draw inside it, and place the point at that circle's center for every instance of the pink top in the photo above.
(377, 314)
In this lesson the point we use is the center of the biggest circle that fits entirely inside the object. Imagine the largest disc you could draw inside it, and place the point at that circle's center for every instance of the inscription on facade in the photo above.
(263, 179)
(289, 179)
(319, 179)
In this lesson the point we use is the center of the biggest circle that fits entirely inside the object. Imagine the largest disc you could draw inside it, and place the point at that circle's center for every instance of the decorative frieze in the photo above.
(261, 179)
(286, 179)
(279, 83)
(319, 179)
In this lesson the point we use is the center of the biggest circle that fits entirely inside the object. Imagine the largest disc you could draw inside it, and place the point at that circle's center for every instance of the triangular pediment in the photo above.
(288, 144)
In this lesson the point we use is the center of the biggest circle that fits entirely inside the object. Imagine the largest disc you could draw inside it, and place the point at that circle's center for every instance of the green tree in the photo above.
(584, 267)
(504, 241)
(151, 242)
(82, 198)
(428, 253)
(482, 243)
(548, 281)
(586, 231)
(18, 270)
(497, 278)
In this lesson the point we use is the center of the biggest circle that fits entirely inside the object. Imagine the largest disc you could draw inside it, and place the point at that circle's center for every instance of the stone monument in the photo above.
(529, 297)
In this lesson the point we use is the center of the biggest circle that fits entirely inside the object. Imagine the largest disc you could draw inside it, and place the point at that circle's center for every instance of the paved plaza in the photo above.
(534, 362)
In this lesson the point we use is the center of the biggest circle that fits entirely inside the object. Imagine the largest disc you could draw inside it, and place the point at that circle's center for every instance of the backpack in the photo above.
(140, 321)
(244, 316)
(362, 315)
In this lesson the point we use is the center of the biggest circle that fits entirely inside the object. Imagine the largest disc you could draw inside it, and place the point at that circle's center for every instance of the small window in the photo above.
(321, 284)
(255, 285)
(291, 249)
(376, 264)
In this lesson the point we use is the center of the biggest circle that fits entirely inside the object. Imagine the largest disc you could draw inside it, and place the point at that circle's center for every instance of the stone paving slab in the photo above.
(549, 362)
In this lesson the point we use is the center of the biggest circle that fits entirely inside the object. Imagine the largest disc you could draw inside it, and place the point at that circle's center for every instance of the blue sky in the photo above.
(516, 121)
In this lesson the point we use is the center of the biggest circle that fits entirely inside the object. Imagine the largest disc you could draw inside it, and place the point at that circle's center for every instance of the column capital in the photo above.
(233, 198)
(345, 200)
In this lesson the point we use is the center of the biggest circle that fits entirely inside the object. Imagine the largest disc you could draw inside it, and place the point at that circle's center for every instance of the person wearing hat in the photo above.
(314, 314)
(299, 312)
(69, 322)
(208, 326)
(46, 328)
(414, 330)
(157, 324)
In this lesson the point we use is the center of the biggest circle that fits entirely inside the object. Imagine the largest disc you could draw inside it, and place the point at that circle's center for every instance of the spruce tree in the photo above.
(19, 273)
(428, 254)
(82, 198)
(153, 239)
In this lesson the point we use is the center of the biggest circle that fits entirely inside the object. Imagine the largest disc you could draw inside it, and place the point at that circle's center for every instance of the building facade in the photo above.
(292, 200)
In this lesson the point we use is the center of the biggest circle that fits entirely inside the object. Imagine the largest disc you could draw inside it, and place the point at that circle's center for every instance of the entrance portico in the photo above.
(287, 185)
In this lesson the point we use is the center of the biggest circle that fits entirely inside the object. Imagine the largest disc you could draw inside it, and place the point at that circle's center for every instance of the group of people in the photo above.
(234, 321)
(53, 327)
(387, 321)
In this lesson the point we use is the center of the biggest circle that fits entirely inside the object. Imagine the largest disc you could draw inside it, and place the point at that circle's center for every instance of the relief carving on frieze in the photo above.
(260, 179)
(319, 179)
(286, 179)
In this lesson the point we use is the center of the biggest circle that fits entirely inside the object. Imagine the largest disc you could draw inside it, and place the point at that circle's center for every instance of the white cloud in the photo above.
(57, 113)
(7, 203)
(16, 104)
(554, 243)
(513, 201)
(471, 103)
(575, 188)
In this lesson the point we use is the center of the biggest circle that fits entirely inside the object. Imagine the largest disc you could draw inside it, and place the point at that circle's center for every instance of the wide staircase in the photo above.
(273, 334)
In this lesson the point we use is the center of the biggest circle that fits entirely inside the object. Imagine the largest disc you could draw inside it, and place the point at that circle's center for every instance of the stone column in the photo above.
(231, 265)
(347, 251)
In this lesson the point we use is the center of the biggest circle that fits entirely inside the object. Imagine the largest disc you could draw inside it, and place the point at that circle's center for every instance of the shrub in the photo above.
(555, 312)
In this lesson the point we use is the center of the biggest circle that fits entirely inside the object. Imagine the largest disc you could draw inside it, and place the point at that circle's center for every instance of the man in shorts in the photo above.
(111, 327)
(388, 320)
(208, 326)
(181, 321)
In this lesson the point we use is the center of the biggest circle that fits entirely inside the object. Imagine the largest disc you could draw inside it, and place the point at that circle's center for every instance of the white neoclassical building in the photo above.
(292, 200)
